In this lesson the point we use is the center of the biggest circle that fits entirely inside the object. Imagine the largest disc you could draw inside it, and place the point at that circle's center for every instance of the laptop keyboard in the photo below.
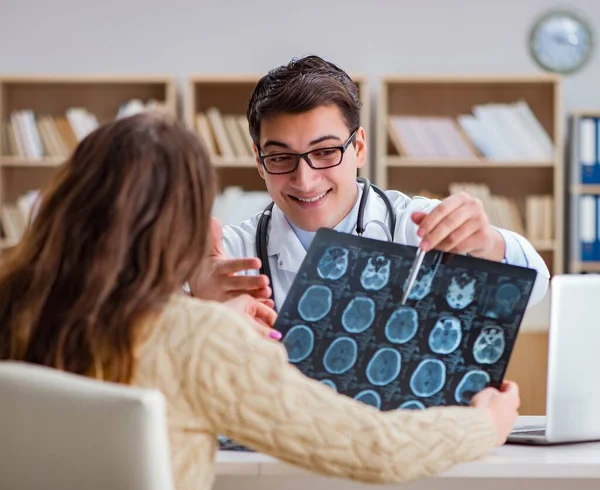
(531, 432)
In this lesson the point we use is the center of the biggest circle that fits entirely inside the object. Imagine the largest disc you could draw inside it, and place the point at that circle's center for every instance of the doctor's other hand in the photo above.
(261, 316)
(502, 407)
(460, 225)
(220, 281)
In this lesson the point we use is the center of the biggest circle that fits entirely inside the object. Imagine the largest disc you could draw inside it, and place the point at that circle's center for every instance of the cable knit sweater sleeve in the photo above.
(247, 389)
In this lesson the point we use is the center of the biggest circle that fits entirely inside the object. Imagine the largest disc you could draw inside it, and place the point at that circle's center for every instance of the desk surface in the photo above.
(509, 461)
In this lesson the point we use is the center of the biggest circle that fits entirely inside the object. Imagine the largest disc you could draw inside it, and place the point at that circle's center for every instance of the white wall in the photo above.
(374, 37)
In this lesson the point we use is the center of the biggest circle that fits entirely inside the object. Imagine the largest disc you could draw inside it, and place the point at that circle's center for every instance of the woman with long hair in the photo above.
(94, 288)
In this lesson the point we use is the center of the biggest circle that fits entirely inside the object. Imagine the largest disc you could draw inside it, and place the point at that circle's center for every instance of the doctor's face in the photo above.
(312, 198)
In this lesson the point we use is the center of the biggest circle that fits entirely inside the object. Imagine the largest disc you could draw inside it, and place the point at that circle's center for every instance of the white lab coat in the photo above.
(286, 253)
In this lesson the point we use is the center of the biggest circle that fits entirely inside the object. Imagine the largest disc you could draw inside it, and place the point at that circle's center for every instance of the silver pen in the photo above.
(412, 276)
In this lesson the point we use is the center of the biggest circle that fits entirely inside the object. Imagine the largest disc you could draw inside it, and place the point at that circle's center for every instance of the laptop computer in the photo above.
(573, 387)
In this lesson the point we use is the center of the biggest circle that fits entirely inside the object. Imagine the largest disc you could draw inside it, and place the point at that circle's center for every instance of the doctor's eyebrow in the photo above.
(312, 143)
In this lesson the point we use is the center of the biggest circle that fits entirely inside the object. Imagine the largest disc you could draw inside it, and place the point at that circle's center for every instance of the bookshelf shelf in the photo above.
(31, 162)
(439, 134)
(397, 161)
(44, 117)
(585, 267)
(243, 162)
(585, 189)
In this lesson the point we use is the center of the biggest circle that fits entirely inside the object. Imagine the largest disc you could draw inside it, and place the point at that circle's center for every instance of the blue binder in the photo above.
(589, 163)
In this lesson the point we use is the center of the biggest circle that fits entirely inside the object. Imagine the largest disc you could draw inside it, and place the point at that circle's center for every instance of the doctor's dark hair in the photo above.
(121, 227)
(300, 86)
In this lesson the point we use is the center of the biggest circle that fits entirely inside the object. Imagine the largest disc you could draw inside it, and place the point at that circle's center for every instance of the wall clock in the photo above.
(561, 41)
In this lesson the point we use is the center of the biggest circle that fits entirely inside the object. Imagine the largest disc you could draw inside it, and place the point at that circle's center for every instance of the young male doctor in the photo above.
(304, 121)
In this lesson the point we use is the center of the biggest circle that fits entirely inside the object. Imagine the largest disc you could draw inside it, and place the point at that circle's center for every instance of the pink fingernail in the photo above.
(275, 335)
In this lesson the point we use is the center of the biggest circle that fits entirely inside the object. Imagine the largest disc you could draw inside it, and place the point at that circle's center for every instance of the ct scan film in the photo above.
(343, 322)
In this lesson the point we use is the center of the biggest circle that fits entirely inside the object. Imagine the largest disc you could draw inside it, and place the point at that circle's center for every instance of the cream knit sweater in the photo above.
(220, 377)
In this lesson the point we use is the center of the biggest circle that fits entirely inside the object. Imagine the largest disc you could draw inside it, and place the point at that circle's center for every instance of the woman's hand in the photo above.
(260, 313)
(502, 406)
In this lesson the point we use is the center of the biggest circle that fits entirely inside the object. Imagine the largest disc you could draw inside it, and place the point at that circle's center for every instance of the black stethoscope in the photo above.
(262, 229)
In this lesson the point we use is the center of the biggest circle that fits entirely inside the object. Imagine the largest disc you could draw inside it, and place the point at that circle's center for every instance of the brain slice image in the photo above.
(369, 397)
(384, 366)
(333, 264)
(507, 297)
(402, 325)
(412, 405)
(422, 285)
(428, 378)
(299, 342)
(471, 383)
(329, 383)
(489, 345)
(340, 355)
(358, 315)
(445, 336)
(376, 273)
(315, 303)
(461, 292)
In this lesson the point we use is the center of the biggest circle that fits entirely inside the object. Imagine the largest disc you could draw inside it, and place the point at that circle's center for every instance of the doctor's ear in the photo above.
(360, 144)
(261, 170)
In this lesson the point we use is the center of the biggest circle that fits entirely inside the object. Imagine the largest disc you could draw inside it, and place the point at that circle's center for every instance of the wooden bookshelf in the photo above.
(577, 189)
(230, 95)
(50, 97)
(453, 96)
(515, 178)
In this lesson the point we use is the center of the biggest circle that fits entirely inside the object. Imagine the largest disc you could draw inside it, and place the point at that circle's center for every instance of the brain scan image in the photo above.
(340, 355)
(369, 397)
(333, 264)
(315, 303)
(428, 378)
(299, 342)
(489, 345)
(471, 383)
(358, 314)
(461, 292)
(445, 336)
(422, 285)
(329, 383)
(384, 366)
(507, 296)
(376, 274)
(412, 405)
(402, 325)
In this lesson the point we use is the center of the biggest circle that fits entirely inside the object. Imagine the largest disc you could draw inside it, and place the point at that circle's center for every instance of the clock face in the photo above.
(561, 42)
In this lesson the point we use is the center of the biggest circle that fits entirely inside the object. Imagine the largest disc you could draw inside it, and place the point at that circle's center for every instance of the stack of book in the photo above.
(497, 132)
(34, 136)
(536, 223)
(225, 135)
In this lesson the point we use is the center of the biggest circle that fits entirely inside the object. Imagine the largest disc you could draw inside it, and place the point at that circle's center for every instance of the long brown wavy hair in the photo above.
(122, 226)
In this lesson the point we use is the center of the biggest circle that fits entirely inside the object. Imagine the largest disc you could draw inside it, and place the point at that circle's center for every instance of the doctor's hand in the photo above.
(261, 316)
(221, 282)
(460, 225)
(502, 407)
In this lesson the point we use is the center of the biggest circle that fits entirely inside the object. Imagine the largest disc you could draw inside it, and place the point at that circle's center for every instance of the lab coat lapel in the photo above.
(284, 243)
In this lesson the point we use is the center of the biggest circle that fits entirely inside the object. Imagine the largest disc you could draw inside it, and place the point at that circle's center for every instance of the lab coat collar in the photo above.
(284, 243)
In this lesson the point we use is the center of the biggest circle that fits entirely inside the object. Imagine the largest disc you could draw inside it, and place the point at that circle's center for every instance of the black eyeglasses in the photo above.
(285, 163)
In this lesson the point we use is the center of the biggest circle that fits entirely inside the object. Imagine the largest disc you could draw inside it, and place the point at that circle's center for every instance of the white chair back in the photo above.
(60, 431)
